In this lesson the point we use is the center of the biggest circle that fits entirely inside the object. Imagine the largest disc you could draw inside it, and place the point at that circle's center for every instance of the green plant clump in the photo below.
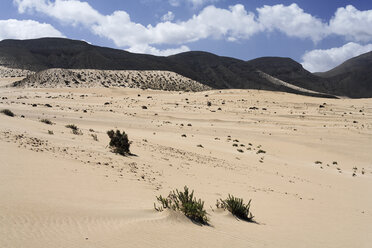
(237, 207)
(186, 203)
(7, 112)
(119, 142)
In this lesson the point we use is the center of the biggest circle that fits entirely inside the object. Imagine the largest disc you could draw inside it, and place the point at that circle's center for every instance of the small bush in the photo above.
(237, 207)
(50, 132)
(7, 112)
(261, 151)
(75, 129)
(72, 126)
(119, 142)
(46, 121)
(186, 203)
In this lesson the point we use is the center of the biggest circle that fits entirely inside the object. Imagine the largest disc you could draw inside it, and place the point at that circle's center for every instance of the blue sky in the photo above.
(318, 34)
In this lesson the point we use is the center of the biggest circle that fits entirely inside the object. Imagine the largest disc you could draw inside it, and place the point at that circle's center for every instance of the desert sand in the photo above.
(311, 188)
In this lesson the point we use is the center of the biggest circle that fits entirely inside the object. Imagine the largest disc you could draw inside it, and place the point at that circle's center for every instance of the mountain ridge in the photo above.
(215, 71)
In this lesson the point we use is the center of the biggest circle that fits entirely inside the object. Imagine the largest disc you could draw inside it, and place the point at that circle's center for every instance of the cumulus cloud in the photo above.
(26, 29)
(67, 11)
(168, 17)
(292, 21)
(324, 60)
(352, 23)
(211, 22)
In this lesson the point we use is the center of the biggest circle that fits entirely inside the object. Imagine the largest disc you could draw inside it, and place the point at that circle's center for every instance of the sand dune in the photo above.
(311, 188)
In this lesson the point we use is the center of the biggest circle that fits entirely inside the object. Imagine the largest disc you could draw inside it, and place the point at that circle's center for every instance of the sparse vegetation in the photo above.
(46, 121)
(119, 142)
(237, 207)
(184, 202)
(94, 136)
(72, 126)
(50, 132)
(75, 129)
(261, 151)
(7, 112)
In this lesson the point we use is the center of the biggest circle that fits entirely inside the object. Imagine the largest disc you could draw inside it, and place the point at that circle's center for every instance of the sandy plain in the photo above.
(66, 190)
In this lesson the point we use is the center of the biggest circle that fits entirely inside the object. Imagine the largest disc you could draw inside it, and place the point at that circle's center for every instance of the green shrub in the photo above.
(46, 121)
(119, 142)
(186, 203)
(7, 112)
(237, 207)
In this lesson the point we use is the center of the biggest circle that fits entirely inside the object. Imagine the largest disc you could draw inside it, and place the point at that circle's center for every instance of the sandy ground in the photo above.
(66, 190)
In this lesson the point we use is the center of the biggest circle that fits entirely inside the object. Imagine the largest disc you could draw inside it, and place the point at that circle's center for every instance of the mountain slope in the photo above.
(352, 78)
(291, 72)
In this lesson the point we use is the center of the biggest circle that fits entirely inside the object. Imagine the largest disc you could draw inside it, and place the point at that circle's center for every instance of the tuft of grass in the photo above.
(75, 130)
(261, 151)
(7, 112)
(72, 126)
(119, 142)
(46, 121)
(94, 136)
(236, 207)
(184, 202)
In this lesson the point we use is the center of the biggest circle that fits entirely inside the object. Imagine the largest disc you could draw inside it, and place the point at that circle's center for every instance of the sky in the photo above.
(319, 34)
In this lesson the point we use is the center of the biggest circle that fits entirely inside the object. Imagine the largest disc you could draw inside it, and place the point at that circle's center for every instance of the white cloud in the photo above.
(26, 29)
(352, 23)
(67, 11)
(292, 21)
(211, 22)
(324, 60)
(152, 50)
(168, 17)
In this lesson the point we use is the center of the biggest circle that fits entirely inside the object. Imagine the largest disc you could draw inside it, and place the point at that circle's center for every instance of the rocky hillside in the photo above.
(6, 72)
(157, 80)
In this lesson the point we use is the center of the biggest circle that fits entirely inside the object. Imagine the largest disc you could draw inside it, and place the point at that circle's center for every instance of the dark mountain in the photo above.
(353, 78)
(212, 70)
(45, 53)
(290, 71)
